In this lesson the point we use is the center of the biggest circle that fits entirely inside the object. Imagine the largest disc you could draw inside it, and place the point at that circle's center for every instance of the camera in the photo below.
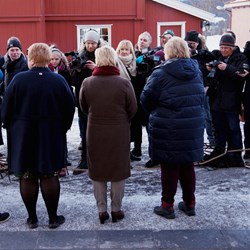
(244, 67)
(213, 64)
(77, 62)
(147, 61)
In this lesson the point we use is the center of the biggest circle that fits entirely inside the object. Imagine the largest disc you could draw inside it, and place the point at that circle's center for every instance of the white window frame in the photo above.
(98, 27)
(160, 24)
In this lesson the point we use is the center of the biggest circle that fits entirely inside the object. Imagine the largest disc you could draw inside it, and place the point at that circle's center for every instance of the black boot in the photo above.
(82, 167)
(216, 152)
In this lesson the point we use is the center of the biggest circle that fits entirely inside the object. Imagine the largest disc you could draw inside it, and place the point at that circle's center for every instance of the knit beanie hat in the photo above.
(92, 35)
(192, 36)
(227, 40)
(166, 32)
(14, 42)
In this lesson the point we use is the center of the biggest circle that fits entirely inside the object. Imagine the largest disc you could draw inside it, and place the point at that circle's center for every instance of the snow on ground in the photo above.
(223, 199)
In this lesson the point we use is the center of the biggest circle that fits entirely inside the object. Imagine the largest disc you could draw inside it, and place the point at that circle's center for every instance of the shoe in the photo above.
(117, 215)
(165, 210)
(82, 167)
(4, 217)
(151, 164)
(246, 156)
(136, 152)
(63, 172)
(134, 158)
(235, 160)
(189, 211)
(32, 222)
(68, 163)
(216, 152)
(54, 223)
(80, 146)
(103, 216)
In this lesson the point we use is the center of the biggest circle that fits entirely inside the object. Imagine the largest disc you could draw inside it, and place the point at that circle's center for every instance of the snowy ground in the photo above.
(223, 199)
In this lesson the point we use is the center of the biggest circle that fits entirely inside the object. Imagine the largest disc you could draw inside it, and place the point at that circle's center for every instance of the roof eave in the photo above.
(202, 14)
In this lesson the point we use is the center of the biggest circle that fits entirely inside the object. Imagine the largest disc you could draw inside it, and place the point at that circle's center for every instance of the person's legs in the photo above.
(50, 188)
(208, 122)
(246, 103)
(221, 128)
(83, 162)
(234, 131)
(29, 189)
(234, 159)
(169, 181)
(100, 193)
(187, 181)
(117, 194)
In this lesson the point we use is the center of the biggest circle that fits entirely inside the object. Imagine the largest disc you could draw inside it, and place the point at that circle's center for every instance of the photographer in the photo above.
(81, 67)
(226, 104)
(145, 65)
(200, 53)
(246, 104)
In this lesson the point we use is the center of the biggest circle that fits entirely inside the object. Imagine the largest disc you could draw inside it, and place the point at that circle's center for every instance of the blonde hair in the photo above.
(105, 56)
(176, 47)
(40, 54)
(64, 59)
(128, 44)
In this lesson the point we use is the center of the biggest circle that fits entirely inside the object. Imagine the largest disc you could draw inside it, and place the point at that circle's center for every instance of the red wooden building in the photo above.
(63, 22)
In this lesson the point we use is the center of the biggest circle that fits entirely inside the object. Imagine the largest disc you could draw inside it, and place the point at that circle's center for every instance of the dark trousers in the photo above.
(247, 118)
(83, 129)
(227, 128)
(170, 174)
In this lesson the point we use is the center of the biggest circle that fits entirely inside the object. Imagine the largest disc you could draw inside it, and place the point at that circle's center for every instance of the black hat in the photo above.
(192, 36)
(14, 42)
(227, 40)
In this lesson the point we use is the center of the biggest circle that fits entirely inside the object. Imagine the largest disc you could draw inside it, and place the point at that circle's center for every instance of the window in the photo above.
(177, 27)
(103, 30)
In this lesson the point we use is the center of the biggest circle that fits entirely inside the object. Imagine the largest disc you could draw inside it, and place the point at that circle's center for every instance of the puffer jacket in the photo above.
(173, 98)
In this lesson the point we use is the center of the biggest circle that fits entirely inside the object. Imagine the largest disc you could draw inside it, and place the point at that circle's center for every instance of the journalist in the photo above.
(226, 104)
(82, 67)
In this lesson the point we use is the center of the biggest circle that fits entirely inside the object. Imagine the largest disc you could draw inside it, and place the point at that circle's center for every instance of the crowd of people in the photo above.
(176, 91)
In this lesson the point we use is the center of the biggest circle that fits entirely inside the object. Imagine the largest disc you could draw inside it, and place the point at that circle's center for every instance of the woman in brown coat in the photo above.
(110, 103)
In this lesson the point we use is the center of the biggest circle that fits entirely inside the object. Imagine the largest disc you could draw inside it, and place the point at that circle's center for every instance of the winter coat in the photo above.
(228, 90)
(13, 67)
(37, 111)
(110, 103)
(173, 97)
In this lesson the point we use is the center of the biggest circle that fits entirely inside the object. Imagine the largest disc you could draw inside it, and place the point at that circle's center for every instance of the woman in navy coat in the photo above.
(37, 111)
(173, 98)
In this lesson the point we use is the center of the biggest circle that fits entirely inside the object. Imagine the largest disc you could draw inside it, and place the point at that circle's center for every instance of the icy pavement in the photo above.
(223, 204)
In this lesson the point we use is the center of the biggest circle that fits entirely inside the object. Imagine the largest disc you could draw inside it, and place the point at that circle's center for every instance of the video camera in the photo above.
(213, 64)
(244, 67)
(77, 62)
(147, 61)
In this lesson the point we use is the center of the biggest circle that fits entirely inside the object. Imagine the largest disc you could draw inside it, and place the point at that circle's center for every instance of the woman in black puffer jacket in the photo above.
(173, 98)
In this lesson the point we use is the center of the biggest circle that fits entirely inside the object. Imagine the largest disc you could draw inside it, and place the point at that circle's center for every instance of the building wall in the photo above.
(241, 25)
(54, 21)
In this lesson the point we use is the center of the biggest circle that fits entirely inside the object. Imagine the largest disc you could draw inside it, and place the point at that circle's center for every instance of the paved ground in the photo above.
(222, 220)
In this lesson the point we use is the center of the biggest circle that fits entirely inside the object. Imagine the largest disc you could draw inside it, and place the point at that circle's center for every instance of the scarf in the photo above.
(106, 71)
(129, 63)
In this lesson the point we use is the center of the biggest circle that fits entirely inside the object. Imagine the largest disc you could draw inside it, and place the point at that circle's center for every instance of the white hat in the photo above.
(92, 35)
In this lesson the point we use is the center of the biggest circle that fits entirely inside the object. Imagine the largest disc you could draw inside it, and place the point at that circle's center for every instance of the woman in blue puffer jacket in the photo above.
(173, 98)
